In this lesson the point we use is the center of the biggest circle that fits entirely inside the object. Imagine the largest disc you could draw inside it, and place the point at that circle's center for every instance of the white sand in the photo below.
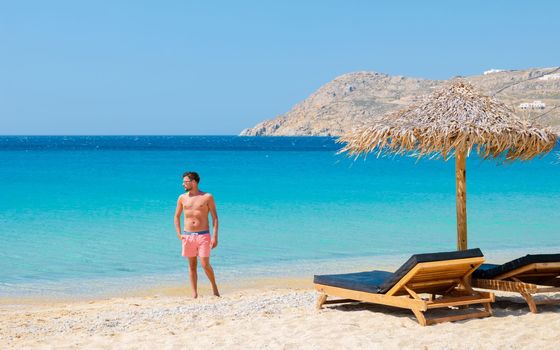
(262, 318)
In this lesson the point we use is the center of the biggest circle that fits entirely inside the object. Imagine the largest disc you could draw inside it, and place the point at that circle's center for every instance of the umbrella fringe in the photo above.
(455, 117)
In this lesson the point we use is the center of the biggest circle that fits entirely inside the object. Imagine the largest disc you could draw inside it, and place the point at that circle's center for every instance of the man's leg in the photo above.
(205, 262)
(193, 276)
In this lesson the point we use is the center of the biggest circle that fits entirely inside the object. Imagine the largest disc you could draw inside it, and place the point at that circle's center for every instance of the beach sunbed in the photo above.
(528, 275)
(444, 277)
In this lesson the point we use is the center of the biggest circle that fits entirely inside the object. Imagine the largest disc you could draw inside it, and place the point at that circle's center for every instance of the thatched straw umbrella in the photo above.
(450, 123)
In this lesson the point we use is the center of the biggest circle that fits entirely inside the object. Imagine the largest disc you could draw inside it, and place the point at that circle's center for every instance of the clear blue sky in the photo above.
(216, 67)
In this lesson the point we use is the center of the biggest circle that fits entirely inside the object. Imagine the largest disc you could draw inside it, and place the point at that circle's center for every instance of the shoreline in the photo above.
(266, 312)
(178, 284)
(178, 290)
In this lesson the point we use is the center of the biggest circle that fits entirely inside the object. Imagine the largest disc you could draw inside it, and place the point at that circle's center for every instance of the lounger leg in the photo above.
(531, 302)
(321, 301)
(420, 316)
(488, 308)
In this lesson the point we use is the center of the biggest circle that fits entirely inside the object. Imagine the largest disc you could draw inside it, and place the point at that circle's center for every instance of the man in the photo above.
(196, 238)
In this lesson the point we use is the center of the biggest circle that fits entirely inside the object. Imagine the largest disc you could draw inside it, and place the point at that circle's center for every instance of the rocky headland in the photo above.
(354, 98)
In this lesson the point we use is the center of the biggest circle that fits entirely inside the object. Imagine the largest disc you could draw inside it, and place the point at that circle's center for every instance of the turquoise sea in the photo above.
(92, 215)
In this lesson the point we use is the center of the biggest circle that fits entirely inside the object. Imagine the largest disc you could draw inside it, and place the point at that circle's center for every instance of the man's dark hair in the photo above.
(193, 176)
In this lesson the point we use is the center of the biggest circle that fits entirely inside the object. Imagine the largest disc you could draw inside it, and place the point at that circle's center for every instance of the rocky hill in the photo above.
(355, 98)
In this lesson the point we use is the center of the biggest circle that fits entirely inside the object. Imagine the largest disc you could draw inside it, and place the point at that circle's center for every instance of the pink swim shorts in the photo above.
(196, 245)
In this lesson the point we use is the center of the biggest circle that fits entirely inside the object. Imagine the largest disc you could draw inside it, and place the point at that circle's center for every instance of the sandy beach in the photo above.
(260, 317)
(279, 175)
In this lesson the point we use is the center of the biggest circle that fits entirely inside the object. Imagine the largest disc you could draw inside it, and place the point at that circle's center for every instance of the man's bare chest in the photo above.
(195, 204)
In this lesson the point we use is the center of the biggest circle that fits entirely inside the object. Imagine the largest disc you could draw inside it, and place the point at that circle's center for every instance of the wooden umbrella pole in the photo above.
(461, 197)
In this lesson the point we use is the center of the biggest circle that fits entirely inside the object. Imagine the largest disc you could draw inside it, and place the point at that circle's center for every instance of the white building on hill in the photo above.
(532, 105)
(493, 71)
(554, 76)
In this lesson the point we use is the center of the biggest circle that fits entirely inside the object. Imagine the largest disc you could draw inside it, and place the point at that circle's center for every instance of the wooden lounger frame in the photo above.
(446, 282)
(527, 280)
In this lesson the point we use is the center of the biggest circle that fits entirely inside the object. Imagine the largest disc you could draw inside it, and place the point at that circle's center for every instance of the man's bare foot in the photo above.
(195, 296)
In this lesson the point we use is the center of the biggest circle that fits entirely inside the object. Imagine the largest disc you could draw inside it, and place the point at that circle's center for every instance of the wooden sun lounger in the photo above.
(443, 276)
(528, 275)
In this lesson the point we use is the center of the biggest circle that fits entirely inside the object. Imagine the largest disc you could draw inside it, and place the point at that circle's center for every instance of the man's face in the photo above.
(187, 183)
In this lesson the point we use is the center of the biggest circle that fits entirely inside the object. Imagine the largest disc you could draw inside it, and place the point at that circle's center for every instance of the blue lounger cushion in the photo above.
(369, 281)
(382, 281)
(489, 271)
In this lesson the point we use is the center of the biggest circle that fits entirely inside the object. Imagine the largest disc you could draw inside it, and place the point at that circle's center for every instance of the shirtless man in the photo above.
(196, 238)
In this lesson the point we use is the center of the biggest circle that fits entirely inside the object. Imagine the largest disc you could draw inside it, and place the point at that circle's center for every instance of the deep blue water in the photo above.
(78, 212)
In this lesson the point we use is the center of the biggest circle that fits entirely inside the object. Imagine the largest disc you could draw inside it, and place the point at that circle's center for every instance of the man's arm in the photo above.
(214, 213)
(177, 218)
